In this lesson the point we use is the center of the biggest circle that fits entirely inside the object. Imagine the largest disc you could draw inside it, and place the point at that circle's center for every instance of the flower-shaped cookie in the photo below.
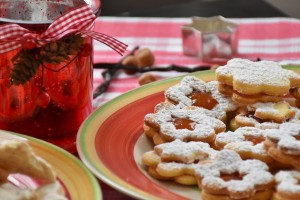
(176, 160)
(230, 176)
(169, 107)
(246, 141)
(256, 81)
(183, 124)
(283, 144)
(287, 185)
(192, 91)
(265, 115)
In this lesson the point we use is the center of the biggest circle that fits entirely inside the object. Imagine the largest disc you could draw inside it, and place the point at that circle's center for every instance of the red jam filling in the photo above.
(233, 176)
(204, 100)
(182, 123)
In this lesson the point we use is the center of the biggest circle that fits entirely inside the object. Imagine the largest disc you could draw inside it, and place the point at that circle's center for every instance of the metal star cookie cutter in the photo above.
(210, 39)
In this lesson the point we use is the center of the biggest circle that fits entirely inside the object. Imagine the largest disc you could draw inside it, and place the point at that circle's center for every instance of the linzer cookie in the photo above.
(168, 107)
(246, 141)
(287, 185)
(151, 120)
(184, 124)
(283, 144)
(265, 115)
(176, 160)
(249, 82)
(192, 91)
(230, 177)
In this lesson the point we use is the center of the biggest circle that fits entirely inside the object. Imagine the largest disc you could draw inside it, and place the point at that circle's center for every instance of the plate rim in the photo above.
(90, 176)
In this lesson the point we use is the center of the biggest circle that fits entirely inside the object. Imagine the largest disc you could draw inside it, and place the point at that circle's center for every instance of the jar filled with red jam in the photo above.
(45, 90)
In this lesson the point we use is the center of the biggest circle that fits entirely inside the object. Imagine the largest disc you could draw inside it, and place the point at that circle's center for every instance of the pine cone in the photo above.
(25, 67)
(60, 51)
(27, 62)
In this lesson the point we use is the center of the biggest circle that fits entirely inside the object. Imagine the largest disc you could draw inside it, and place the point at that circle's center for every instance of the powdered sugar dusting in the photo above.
(238, 142)
(255, 173)
(240, 135)
(179, 93)
(165, 107)
(246, 146)
(286, 137)
(229, 136)
(288, 181)
(185, 152)
(175, 166)
(256, 73)
(272, 113)
(262, 73)
(204, 125)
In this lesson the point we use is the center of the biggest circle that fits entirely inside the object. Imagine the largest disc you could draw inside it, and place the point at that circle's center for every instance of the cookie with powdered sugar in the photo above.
(251, 82)
(192, 91)
(283, 144)
(176, 160)
(167, 125)
(247, 142)
(287, 185)
(265, 115)
(230, 177)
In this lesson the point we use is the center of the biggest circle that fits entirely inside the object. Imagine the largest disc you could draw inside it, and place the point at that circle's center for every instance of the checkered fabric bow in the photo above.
(79, 20)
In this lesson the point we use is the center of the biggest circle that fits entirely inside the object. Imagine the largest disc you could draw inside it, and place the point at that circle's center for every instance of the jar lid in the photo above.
(40, 11)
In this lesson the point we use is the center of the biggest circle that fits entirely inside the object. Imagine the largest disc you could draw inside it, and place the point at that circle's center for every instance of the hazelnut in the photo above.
(145, 57)
(130, 60)
(147, 78)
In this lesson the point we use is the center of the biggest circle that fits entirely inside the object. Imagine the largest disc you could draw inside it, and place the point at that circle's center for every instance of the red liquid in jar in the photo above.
(24, 110)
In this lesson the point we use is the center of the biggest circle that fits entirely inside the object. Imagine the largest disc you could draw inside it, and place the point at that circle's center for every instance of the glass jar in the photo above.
(46, 91)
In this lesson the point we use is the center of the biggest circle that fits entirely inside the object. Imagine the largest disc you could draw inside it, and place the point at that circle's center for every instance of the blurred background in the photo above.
(203, 8)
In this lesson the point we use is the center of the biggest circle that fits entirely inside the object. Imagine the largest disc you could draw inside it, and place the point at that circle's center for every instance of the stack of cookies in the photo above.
(236, 137)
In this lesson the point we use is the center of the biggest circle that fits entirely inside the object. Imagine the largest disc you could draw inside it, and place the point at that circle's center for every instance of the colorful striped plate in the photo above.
(111, 142)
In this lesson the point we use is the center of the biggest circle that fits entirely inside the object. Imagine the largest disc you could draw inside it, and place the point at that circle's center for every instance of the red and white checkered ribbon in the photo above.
(79, 20)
